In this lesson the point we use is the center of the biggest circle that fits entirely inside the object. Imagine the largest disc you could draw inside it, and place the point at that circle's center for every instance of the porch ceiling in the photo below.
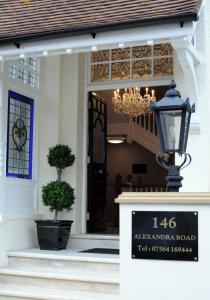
(33, 19)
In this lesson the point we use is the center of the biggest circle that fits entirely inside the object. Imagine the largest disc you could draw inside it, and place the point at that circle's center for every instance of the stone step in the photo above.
(19, 292)
(61, 279)
(88, 241)
(65, 260)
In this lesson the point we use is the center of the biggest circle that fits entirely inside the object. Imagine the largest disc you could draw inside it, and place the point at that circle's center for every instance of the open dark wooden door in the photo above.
(97, 164)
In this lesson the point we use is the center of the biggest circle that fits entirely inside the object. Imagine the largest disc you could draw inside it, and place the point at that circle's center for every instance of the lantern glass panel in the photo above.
(170, 122)
(186, 130)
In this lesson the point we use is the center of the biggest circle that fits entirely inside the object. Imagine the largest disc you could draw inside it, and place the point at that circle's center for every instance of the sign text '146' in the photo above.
(165, 223)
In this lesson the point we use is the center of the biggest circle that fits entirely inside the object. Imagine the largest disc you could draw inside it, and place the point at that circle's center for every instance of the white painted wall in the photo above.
(81, 179)
(205, 79)
(17, 196)
(17, 231)
(62, 111)
(162, 279)
(196, 175)
(71, 131)
(48, 122)
(58, 119)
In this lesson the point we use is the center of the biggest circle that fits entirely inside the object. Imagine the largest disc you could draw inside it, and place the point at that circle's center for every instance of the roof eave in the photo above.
(180, 18)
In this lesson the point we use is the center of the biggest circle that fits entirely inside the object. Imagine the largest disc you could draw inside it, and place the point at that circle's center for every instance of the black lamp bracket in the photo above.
(173, 179)
(162, 160)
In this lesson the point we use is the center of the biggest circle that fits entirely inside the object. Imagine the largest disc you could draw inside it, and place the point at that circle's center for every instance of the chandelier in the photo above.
(131, 102)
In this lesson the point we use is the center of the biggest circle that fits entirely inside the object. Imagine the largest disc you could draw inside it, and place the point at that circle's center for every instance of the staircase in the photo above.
(142, 130)
(60, 275)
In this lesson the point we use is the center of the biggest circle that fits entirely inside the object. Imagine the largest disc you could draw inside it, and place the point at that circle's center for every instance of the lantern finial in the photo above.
(172, 84)
(172, 92)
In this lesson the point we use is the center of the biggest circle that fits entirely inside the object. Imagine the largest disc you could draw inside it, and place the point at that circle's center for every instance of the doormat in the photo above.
(101, 251)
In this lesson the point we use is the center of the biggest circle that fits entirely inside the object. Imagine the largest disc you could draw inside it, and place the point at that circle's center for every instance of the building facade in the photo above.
(47, 74)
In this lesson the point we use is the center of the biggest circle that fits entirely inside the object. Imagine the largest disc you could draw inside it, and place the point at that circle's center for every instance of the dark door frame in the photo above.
(96, 171)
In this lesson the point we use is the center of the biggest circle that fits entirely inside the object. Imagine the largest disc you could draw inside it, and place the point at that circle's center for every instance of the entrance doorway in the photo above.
(115, 168)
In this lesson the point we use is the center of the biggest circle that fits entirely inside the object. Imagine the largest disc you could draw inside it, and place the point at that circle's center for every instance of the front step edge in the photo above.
(22, 292)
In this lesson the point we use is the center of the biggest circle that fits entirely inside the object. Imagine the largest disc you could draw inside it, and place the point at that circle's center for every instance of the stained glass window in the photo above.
(100, 56)
(19, 136)
(142, 69)
(121, 71)
(142, 51)
(25, 70)
(100, 72)
(120, 54)
(163, 67)
(139, 62)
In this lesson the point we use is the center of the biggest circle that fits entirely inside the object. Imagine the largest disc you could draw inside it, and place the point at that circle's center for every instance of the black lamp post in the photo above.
(172, 115)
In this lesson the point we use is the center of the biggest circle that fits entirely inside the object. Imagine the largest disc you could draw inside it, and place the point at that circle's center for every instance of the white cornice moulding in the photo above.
(104, 40)
(164, 198)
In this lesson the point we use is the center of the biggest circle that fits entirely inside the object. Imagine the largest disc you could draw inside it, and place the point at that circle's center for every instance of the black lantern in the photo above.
(172, 115)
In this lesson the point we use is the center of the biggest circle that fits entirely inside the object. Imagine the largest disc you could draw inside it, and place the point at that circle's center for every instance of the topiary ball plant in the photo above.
(58, 195)
(60, 156)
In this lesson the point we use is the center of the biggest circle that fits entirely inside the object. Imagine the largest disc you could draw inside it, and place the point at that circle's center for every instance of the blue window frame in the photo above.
(19, 136)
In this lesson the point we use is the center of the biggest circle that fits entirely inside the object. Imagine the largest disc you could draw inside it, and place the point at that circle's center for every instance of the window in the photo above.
(19, 136)
(25, 70)
(131, 63)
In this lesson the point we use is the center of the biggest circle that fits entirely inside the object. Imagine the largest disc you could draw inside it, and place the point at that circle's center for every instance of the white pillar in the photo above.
(1, 136)
(148, 274)
(72, 107)
(1, 159)
(2, 152)
(48, 123)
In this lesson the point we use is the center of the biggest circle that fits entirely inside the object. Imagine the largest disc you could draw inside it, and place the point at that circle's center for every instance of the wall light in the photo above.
(94, 48)
(45, 53)
(22, 55)
(114, 139)
(150, 42)
(69, 50)
(121, 45)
